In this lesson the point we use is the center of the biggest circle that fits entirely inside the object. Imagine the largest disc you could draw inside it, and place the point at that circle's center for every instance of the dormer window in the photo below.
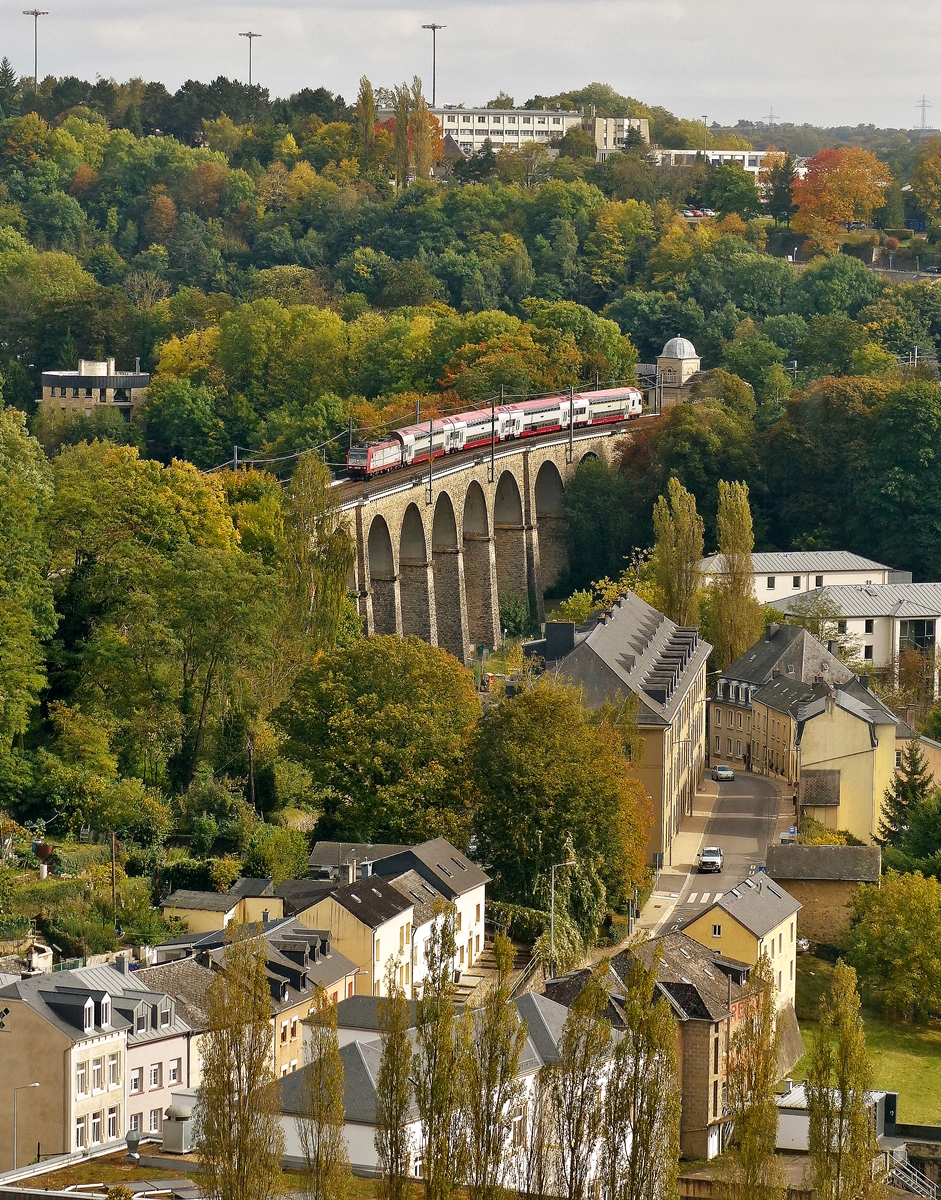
(89, 1015)
(140, 1022)
(105, 1011)
(164, 1018)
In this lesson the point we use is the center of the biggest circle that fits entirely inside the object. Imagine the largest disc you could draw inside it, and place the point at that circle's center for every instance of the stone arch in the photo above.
(510, 540)
(589, 457)
(550, 522)
(415, 577)
(483, 623)
(446, 568)
(382, 578)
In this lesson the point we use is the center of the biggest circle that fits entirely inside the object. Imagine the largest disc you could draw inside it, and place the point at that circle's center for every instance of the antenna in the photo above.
(923, 104)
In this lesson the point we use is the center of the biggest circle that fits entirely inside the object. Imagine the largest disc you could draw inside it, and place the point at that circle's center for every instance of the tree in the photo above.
(436, 1062)
(400, 135)
(366, 120)
(382, 725)
(912, 783)
(501, 100)
(893, 940)
(640, 1138)
(734, 613)
(9, 97)
(394, 1091)
(842, 1135)
(750, 1167)
(546, 777)
(732, 190)
(322, 1133)
(926, 179)
(577, 1087)
(677, 555)
(425, 133)
(491, 1089)
(779, 185)
(839, 186)
(238, 1135)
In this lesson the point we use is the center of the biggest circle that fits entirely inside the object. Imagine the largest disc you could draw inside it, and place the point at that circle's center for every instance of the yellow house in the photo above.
(846, 744)
(207, 912)
(757, 917)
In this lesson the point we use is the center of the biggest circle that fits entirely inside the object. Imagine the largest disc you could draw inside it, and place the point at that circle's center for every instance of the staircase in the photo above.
(475, 982)
(902, 1174)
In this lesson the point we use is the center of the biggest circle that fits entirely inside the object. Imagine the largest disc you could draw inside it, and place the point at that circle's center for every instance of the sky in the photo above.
(828, 62)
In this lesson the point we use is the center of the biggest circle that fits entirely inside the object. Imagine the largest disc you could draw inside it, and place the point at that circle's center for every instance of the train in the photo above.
(464, 431)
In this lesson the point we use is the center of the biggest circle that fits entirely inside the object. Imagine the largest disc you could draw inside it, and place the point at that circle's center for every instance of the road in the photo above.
(742, 818)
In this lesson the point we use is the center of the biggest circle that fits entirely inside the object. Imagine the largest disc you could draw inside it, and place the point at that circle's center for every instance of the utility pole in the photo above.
(114, 890)
(434, 56)
(251, 37)
(493, 430)
(923, 104)
(705, 133)
(235, 456)
(35, 13)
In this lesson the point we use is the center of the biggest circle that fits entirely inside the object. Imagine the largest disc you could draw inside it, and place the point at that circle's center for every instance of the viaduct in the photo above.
(436, 551)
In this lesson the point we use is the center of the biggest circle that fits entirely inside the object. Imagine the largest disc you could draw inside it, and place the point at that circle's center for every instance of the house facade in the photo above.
(248, 901)
(824, 880)
(782, 575)
(93, 384)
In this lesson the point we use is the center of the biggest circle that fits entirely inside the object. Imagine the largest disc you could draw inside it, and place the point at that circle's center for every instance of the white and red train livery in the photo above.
(464, 431)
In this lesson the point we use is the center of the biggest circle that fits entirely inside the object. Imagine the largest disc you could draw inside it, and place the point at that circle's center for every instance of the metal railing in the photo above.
(904, 1175)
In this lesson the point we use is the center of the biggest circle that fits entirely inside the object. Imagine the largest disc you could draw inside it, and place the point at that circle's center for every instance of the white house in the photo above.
(780, 575)
(510, 127)
(794, 1117)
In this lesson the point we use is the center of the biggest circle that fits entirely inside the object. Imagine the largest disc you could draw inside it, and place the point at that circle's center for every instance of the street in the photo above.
(740, 817)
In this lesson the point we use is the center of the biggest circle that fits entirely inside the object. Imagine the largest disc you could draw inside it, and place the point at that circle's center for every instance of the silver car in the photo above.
(711, 859)
(722, 773)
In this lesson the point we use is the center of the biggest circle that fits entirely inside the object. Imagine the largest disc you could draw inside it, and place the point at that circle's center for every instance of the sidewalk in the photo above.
(674, 876)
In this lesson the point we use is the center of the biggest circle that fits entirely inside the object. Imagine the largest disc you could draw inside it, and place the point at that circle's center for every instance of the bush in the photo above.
(73, 858)
(276, 852)
(199, 874)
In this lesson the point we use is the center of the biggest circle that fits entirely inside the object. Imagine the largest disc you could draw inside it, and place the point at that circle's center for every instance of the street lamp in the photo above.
(552, 870)
(434, 57)
(251, 37)
(35, 13)
(705, 133)
(24, 1088)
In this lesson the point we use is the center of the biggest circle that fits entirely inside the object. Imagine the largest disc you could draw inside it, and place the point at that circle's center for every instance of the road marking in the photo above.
(691, 899)
(716, 898)
(705, 898)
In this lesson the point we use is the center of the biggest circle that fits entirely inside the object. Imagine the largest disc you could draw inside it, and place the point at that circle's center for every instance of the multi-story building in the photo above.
(503, 127)
(781, 575)
(751, 161)
(633, 650)
(611, 134)
(92, 384)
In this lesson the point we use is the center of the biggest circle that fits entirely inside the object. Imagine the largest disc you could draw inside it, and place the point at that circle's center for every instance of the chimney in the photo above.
(351, 871)
(828, 703)
(265, 916)
(864, 680)
(110, 366)
(770, 630)
(136, 366)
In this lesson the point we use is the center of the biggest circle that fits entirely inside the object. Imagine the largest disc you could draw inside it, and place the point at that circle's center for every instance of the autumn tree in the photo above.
(424, 132)
(839, 186)
(366, 120)
(926, 179)
(750, 1166)
(733, 611)
(677, 556)
(842, 1136)
(436, 1062)
(323, 1137)
(239, 1138)
(400, 135)
(640, 1137)
(394, 1091)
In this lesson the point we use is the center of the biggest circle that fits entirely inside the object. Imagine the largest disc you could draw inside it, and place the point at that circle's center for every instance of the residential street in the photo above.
(741, 817)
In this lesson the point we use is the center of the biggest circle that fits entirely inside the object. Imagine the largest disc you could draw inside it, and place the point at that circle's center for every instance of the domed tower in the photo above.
(676, 366)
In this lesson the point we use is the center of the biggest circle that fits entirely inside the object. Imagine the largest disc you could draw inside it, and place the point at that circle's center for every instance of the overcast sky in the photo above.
(825, 61)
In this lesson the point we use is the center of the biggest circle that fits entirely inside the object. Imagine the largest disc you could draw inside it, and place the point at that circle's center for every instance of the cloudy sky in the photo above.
(824, 61)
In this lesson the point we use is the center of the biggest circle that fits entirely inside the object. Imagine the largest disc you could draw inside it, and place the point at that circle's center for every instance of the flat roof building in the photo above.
(94, 383)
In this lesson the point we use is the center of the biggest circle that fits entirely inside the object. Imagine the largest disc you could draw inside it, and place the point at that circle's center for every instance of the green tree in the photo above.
(401, 149)
(892, 942)
(381, 724)
(394, 1091)
(677, 555)
(9, 96)
(733, 612)
(780, 195)
(366, 120)
(911, 785)
(843, 1144)
(733, 190)
(238, 1135)
(323, 1137)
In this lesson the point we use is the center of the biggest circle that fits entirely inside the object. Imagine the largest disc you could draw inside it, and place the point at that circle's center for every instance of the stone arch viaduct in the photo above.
(435, 559)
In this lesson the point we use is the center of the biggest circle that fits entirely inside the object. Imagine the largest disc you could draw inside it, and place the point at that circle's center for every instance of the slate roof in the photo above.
(373, 901)
(246, 886)
(421, 893)
(60, 999)
(126, 992)
(340, 854)
(545, 1020)
(879, 599)
(696, 982)
(793, 652)
(636, 650)
(362, 1012)
(203, 901)
(854, 699)
(187, 981)
(300, 894)
(758, 904)
(801, 562)
(361, 1061)
(855, 864)
(438, 862)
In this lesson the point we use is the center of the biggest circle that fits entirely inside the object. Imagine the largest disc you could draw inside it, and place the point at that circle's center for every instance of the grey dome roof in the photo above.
(679, 347)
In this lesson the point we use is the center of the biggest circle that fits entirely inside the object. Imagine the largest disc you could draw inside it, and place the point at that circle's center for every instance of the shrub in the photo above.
(73, 859)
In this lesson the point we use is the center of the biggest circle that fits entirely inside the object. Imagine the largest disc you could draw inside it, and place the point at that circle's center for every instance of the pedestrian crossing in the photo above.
(693, 898)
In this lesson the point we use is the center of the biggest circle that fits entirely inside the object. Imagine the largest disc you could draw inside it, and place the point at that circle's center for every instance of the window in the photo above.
(156, 1075)
(792, 970)
(770, 583)
(730, 747)
(477, 915)
(718, 717)
(527, 120)
(477, 944)
(112, 1123)
(792, 933)
(916, 635)
(81, 1079)
(293, 1028)
(818, 581)
(284, 1070)
(715, 1097)
(481, 120)
(898, 759)
(140, 1023)
(137, 1080)
(717, 931)
(80, 1133)
(155, 1120)
(95, 1127)
(293, 1064)
(495, 120)
(796, 581)
(841, 627)
(173, 1074)
(457, 925)
(870, 623)
(164, 1018)
(462, 956)
(740, 715)
(779, 981)
(114, 1077)
(715, 1056)
(738, 750)
(718, 744)
(284, 1032)
(867, 653)
(105, 1012)
(97, 1074)
(89, 1015)
(780, 943)
(135, 1123)
(556, 120)
(378, 959)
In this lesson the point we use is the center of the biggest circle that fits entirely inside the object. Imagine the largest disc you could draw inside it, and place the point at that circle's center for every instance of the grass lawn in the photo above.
(906, 1058)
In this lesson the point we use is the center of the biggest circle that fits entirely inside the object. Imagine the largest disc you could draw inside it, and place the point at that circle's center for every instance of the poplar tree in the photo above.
(239, 1139)
(436, 1061)
(843, 1143)
(400, 134)
(577, 1085)
(735, 614)
(424, 132)
(535, 1157)
(911, 786)
(640, 1139)
(491, 1091)
(394, 1091)
(322, 1133)
(749, 1168)
(677, 556)
(366, 120)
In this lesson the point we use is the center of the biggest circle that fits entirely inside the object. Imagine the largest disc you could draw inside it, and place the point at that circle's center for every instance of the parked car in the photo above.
(687, 212)
(711, 859)
(933, 270)
(722, 773)
(708, 212)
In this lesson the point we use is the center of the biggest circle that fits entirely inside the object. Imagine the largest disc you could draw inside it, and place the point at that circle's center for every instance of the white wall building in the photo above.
(751, 161)
(780, 575)
(512, 127)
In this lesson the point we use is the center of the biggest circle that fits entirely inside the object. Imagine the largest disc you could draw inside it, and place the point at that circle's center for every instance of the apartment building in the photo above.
(611, 134)
(247, 901)
(751, 161)
(782, 575)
